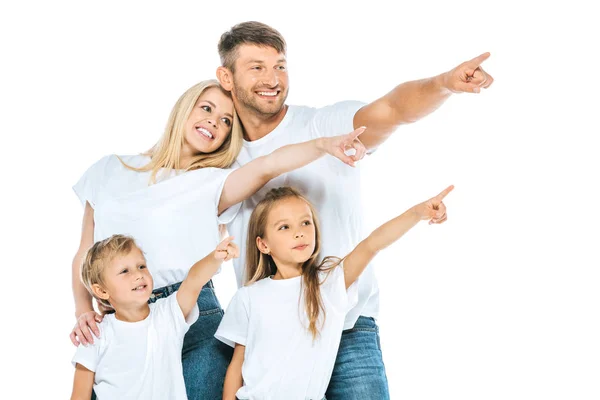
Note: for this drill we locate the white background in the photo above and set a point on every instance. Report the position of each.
(501, 302)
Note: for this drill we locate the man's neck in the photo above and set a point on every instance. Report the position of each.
(258, 126)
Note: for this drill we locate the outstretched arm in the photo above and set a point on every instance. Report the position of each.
(356, 262)
(411, 101)
(247, 180)
(201, 272)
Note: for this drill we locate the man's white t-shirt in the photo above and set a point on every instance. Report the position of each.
(332, 186)
(139, 360)
(174, 221)
(281, 360)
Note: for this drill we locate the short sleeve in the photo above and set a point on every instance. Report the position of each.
(169, 314)
(89, 355)
(335, 119)
(228, 215)
(234, 325)
(87, 188)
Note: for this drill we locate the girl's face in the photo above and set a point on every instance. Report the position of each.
(209, 123)
(290, 233)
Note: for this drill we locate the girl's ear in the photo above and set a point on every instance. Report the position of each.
(100, 292)
(262, 246)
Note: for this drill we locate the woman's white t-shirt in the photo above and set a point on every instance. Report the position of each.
(174, 221)
(281, 360)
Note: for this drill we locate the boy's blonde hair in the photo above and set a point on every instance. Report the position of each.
(98, 257)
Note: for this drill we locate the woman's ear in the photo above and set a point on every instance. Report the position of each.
(262, 246)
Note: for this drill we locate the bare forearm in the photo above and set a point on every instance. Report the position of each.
(233, 380)
(83, 299)
(392, 230)
(406, 103)
(293, 156)
(190, 288)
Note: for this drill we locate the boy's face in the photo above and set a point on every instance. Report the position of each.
(127, 281)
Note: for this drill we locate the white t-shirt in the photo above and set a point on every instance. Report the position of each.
(174, 221)
(281, 360)
(332, 186)
(139, 360)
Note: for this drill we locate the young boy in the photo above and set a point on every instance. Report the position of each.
(138, 354)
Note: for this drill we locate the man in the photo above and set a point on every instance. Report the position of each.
(253, 57)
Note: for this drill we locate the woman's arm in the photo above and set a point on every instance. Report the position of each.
(356, 262)
(87, 318)
(233, 378)
(247, 180)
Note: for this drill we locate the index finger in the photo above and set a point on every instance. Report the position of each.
(225, 242)
(355, 133)
(444, 192)
(476, 62)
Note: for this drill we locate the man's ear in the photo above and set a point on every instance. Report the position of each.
(225, 77)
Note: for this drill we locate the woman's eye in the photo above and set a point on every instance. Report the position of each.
(206, 108)
(226, 121)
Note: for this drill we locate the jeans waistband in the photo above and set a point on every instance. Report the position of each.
(166, 291)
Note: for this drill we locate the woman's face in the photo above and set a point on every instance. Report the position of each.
(209, 123)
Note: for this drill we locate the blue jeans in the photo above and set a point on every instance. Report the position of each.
(359, 373)
(205, 359)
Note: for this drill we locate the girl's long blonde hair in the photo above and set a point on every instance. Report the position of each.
(260, 265)
(167, 152)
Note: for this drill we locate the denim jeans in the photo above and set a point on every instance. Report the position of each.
(359, 373)
(205, 359)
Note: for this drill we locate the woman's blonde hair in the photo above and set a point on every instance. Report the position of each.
(167, 152)
(98, 257)
(260, 265)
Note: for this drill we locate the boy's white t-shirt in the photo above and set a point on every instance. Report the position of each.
(281, 360)
(332, 186)
(174, 221)
(139, 360)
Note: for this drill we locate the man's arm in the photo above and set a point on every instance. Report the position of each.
(411, 101)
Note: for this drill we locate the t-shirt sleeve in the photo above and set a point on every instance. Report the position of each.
(89, 355)
(168, 313)
(336, 119)
(228, 215)
(88, 186)
(234, 325)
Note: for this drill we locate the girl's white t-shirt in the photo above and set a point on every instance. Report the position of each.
(281, 360)
(173, 221)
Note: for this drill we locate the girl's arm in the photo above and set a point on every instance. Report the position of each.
(247, 180)
(83, 383)
(201, 272)
(87, 318)
(356, 262)
(233, 378)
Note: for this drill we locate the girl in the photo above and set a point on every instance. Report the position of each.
(172, 200)
(287, 322)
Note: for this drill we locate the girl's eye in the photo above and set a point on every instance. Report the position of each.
(306, 223)
(282, 227)
(206, 108)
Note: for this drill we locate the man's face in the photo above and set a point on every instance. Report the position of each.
(260, 80)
